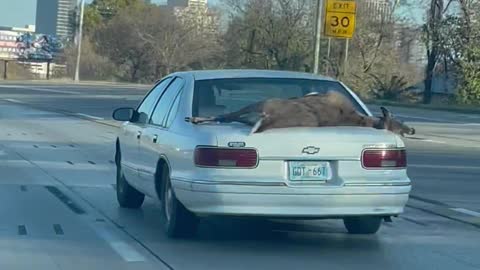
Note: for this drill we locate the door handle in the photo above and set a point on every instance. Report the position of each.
(155, 138)
(139, 134)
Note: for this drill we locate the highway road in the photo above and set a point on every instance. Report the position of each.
(59, 209)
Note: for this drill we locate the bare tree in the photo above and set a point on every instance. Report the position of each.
(434, 42)
(158, 44)
(270, 33)
(119, 41)
(373, 28)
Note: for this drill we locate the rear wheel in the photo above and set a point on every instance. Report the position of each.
(127, 196)
(177, 220)
(362, 225)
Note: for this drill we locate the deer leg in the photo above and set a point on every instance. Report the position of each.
(258, 126)
(198, 120)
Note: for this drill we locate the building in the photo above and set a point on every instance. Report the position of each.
(197, 3)
(196, 13)
(376, 10)
(410, 47)
(189, 8)
(177, 3)
(187, 3)
(8, 45)
(54, 17)
(8, 40)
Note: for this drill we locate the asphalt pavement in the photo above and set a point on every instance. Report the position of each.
(59, 209)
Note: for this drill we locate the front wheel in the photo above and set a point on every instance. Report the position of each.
(362, 225)
(177, 220)
(127, 196)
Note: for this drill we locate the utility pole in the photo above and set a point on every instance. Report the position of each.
(329, 49)
(345, 62)
(5, 69)
(79, 41)
(318, 36)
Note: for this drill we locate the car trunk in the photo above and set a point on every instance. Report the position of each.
(280, 150)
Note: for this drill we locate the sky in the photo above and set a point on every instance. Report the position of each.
(17, 12)
(22, 12)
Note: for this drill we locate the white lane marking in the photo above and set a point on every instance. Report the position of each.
(446, 121)
(443, 167)
(133, 98)
(454, 139)
(90, 116)
(126, 251)
(419, 117)
(14, 100)
(434, 141)
(40, 89)
(466, 211)
(79, 114)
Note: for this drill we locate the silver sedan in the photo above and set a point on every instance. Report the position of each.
(357, 174)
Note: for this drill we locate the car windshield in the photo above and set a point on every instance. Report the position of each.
(220, 96)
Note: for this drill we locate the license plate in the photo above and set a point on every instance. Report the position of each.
(309, 170)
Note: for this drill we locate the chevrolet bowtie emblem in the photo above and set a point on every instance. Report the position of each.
(311, 150)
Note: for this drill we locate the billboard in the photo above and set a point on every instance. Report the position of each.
(38, 47)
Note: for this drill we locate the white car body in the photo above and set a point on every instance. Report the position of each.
(265, 190)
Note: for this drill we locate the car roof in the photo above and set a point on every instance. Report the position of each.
(250, 73)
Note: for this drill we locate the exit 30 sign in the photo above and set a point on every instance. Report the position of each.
(340, 18)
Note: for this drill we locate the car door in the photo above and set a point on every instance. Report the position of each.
(132, 133)
(154, 140)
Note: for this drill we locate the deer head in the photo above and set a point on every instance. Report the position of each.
(387, 121)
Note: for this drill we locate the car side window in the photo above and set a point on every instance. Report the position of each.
(146, 107)
(173, 110)
(165, 103)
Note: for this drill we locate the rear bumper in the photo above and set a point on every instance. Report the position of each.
(269, 201)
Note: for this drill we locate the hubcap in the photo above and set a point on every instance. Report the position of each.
(168, 201)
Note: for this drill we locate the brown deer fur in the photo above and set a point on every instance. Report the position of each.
(313, 110)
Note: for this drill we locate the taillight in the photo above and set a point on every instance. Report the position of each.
(225, 157)
(384, 158)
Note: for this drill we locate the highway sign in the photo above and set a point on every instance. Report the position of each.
(345, 6)
(340, 18)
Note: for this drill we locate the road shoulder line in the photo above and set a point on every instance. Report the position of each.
(89, 116)
(444, 210)
(101, 121)
(466, 211)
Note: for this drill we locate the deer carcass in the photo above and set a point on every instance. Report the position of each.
(313, 110)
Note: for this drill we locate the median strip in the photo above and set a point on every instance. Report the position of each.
(127, 251)
(466, 211)
(441, 209)
(89, 116)
(62, 197)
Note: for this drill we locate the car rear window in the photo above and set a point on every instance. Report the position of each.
(221, 96)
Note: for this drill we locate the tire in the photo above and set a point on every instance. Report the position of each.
(362, 225)
(127, 196)
(177, 221)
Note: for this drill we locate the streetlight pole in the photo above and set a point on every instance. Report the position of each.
(345, 62)
(329, 49)
(318, 35)
(79, 46)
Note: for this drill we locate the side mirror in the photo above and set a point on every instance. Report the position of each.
(123, 114)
